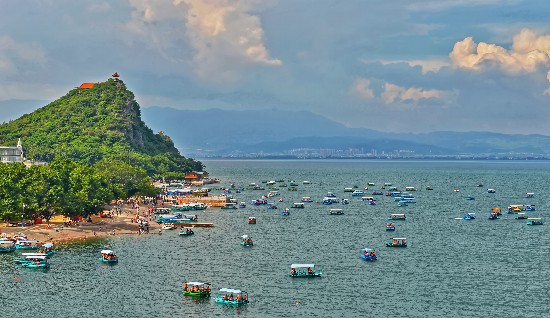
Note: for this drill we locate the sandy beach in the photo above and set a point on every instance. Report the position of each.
(56, 231)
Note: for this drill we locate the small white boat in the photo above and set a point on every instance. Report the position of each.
(336, 212)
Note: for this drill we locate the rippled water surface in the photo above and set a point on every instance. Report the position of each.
(451, 268)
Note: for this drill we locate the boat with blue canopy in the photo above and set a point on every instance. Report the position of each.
(285, 212)
(186, 231)
(108, 256)
(231, 297)
(368, 254)
(7, 246)
(304, 270)
(469, 216)
(196, 289)
(397, 242)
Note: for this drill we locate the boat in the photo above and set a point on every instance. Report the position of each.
(330, 195)
(186, 231)
(469, 198)
(521, 216)
(330, 200)
(491, 191)
(367, 199)
(429, 188)
(348, 189)
(397, 242)
(168, 226)
(306, 182)
(196, 289)
(377, 193)
(344, 201)
(108, 256)
(397, 216)
(7, 246)
(402, 203)
(271, 206)
(242, 205)
(251, 220)
(493, 216)
(285, 212)
(498, 211)
(298, 205)
(469, 216)
(231, 297)
(272, 194)
(529, 207)
(534, 221)
(258, 202)
(357, 193)
(529, 195)
(410, 189)
(281, 199)
(191, 217)
(167, 210)
(307, 199)
(35, 261)
(390, 226)
(47, 249)
(229, 206)
(336, 212)
(304, 270)
(368, 254)
(292, 188)
(246, 241)
(26, 245)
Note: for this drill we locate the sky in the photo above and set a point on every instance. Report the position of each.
(395, 66)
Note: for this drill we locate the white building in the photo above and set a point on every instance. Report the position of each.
(12, 154)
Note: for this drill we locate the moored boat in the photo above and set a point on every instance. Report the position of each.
(368, 254)
(232, 297)
(35, 261)
(304, 270)
(7, 246)
(108, 256)
(196, 289)
(397, 242)
(167, 227)
(26, 245)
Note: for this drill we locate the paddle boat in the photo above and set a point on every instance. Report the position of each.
(371, 184)
(336, 212)
(497, 211)
(285, 212)
(534, 221)
(108, 256)
(529, 207)
(368, 254)
(167, 210)
(515, 208)
(410, 189)
(298, 205)
(491, 191)
(307, 199)
(306, 182)
(242, 205)
(429, 188)
(168, 226)
(493, 216)
(402, 203)
(304, 270)
(47, 249)
(271, 206)
(521, 216)
(348, 189)
(35, 261)
(26, 245)
(232, 297)
(397, 216)
(330, 195)
(469, 198)
(469, 216)
(281, 199)
(251, 220)
(7, 246)
(529, 195)
(196, 289)
(397, 242)
(246, 241)
(358, 193)
(377, 193)
(186, 231)
(344, 201)
(390, 226)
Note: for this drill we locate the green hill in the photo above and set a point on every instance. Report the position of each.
(88, 125)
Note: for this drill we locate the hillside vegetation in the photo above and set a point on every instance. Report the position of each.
(96, 124)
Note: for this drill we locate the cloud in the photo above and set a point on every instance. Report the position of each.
(14, 53)
(428, 65)
(529, 53)
(361, 87)
(394, 93)
(226, 38)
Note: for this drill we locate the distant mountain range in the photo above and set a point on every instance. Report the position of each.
(221, 132)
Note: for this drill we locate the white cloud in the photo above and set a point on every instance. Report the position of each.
(225, 36)
(529, 53)
(393, 93)
(361, 87)
(15, 55)
(428, 65)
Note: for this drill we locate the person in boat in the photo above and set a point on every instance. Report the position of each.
(309, 271)
(231, 297)
(185, 286)
(239, 298)
(293, 271)
(224, 297)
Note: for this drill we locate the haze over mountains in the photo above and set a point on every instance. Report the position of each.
(216, 132)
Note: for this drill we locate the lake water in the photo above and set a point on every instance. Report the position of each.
(451, 268)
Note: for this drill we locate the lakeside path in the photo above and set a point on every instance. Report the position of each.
(56, 232)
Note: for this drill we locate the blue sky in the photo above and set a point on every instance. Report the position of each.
(401, 66)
